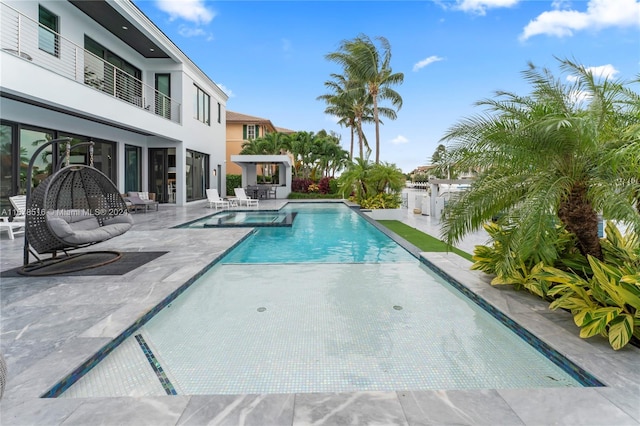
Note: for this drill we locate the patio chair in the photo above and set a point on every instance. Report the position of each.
(19, 204)
(15, 224)
(141, 199)
(242, 198)
(214, 199)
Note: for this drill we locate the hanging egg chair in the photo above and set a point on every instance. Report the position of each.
(75, 207)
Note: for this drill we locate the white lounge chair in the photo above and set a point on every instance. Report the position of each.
(242, 198)
(19, 203)
(215, 201)
(17, 226)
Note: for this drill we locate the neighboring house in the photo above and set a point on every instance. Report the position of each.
(243, 127)
(101, 70)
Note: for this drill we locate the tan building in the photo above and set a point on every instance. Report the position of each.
(240, 128)
(243, 127)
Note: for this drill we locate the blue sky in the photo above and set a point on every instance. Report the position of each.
(269, 56)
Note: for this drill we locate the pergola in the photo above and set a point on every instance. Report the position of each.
(249, 164)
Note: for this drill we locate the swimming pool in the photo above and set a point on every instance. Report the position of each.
(356, 312)
(255, 218)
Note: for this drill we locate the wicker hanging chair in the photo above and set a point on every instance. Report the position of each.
(63, 201)
(75, 207)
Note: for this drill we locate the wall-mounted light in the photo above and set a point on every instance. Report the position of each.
(171, 170)
(215, 172)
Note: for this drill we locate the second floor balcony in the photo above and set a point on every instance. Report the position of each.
(32, 41)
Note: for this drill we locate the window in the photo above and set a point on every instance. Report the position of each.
(219, 113)
(197, 178)
(251, 132)
(163, 95)
(201, 102)
(47, 31)
(132, 168)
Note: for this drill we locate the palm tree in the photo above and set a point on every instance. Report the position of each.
(328, 154)
(354, 179)
(558, 152)
(350, 102)
(368, 66)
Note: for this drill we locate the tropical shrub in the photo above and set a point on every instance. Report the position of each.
(300, 185)
(372, 185)
(333, 186)
(323, 185)
(312, 196)
(603, 296)
(233, 181)
(381, 201)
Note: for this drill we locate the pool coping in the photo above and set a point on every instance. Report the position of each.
(617, 403)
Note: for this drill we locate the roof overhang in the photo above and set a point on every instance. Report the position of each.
(261, 159)
(126, 30)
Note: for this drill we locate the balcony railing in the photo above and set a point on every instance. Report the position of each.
(31, 41)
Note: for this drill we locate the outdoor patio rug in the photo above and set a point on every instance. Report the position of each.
(128, 262)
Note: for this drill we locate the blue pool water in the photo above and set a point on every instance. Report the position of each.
(328, 305)
(321, 233)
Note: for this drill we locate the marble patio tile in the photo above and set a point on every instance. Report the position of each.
(36, 411)
(628, 399)
(565, 406)
(152, 411)
(361, 408)
(459, 407)
(44, 373)
(118, 321)
(616, 369)
(258, 410)
(22, 354)
(51, 322)
(75, 292)
(13, 290)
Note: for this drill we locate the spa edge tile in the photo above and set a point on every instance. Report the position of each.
(566, 406)
(360, 408)
(476, 407)
(258, 410)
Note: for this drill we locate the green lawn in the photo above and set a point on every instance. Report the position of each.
(421, 240)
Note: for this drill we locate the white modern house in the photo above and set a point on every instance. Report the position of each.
(102, 71)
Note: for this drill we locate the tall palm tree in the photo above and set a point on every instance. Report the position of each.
(349, 101)
(558, 152)
(365, 64)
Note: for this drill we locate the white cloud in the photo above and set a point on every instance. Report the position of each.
(607, 72)
(599, 14)
(480, 6)
(189, 10)
(428, 61)
(399, 139)
(226, 90)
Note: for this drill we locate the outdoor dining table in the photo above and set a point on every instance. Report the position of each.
(259, 191)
